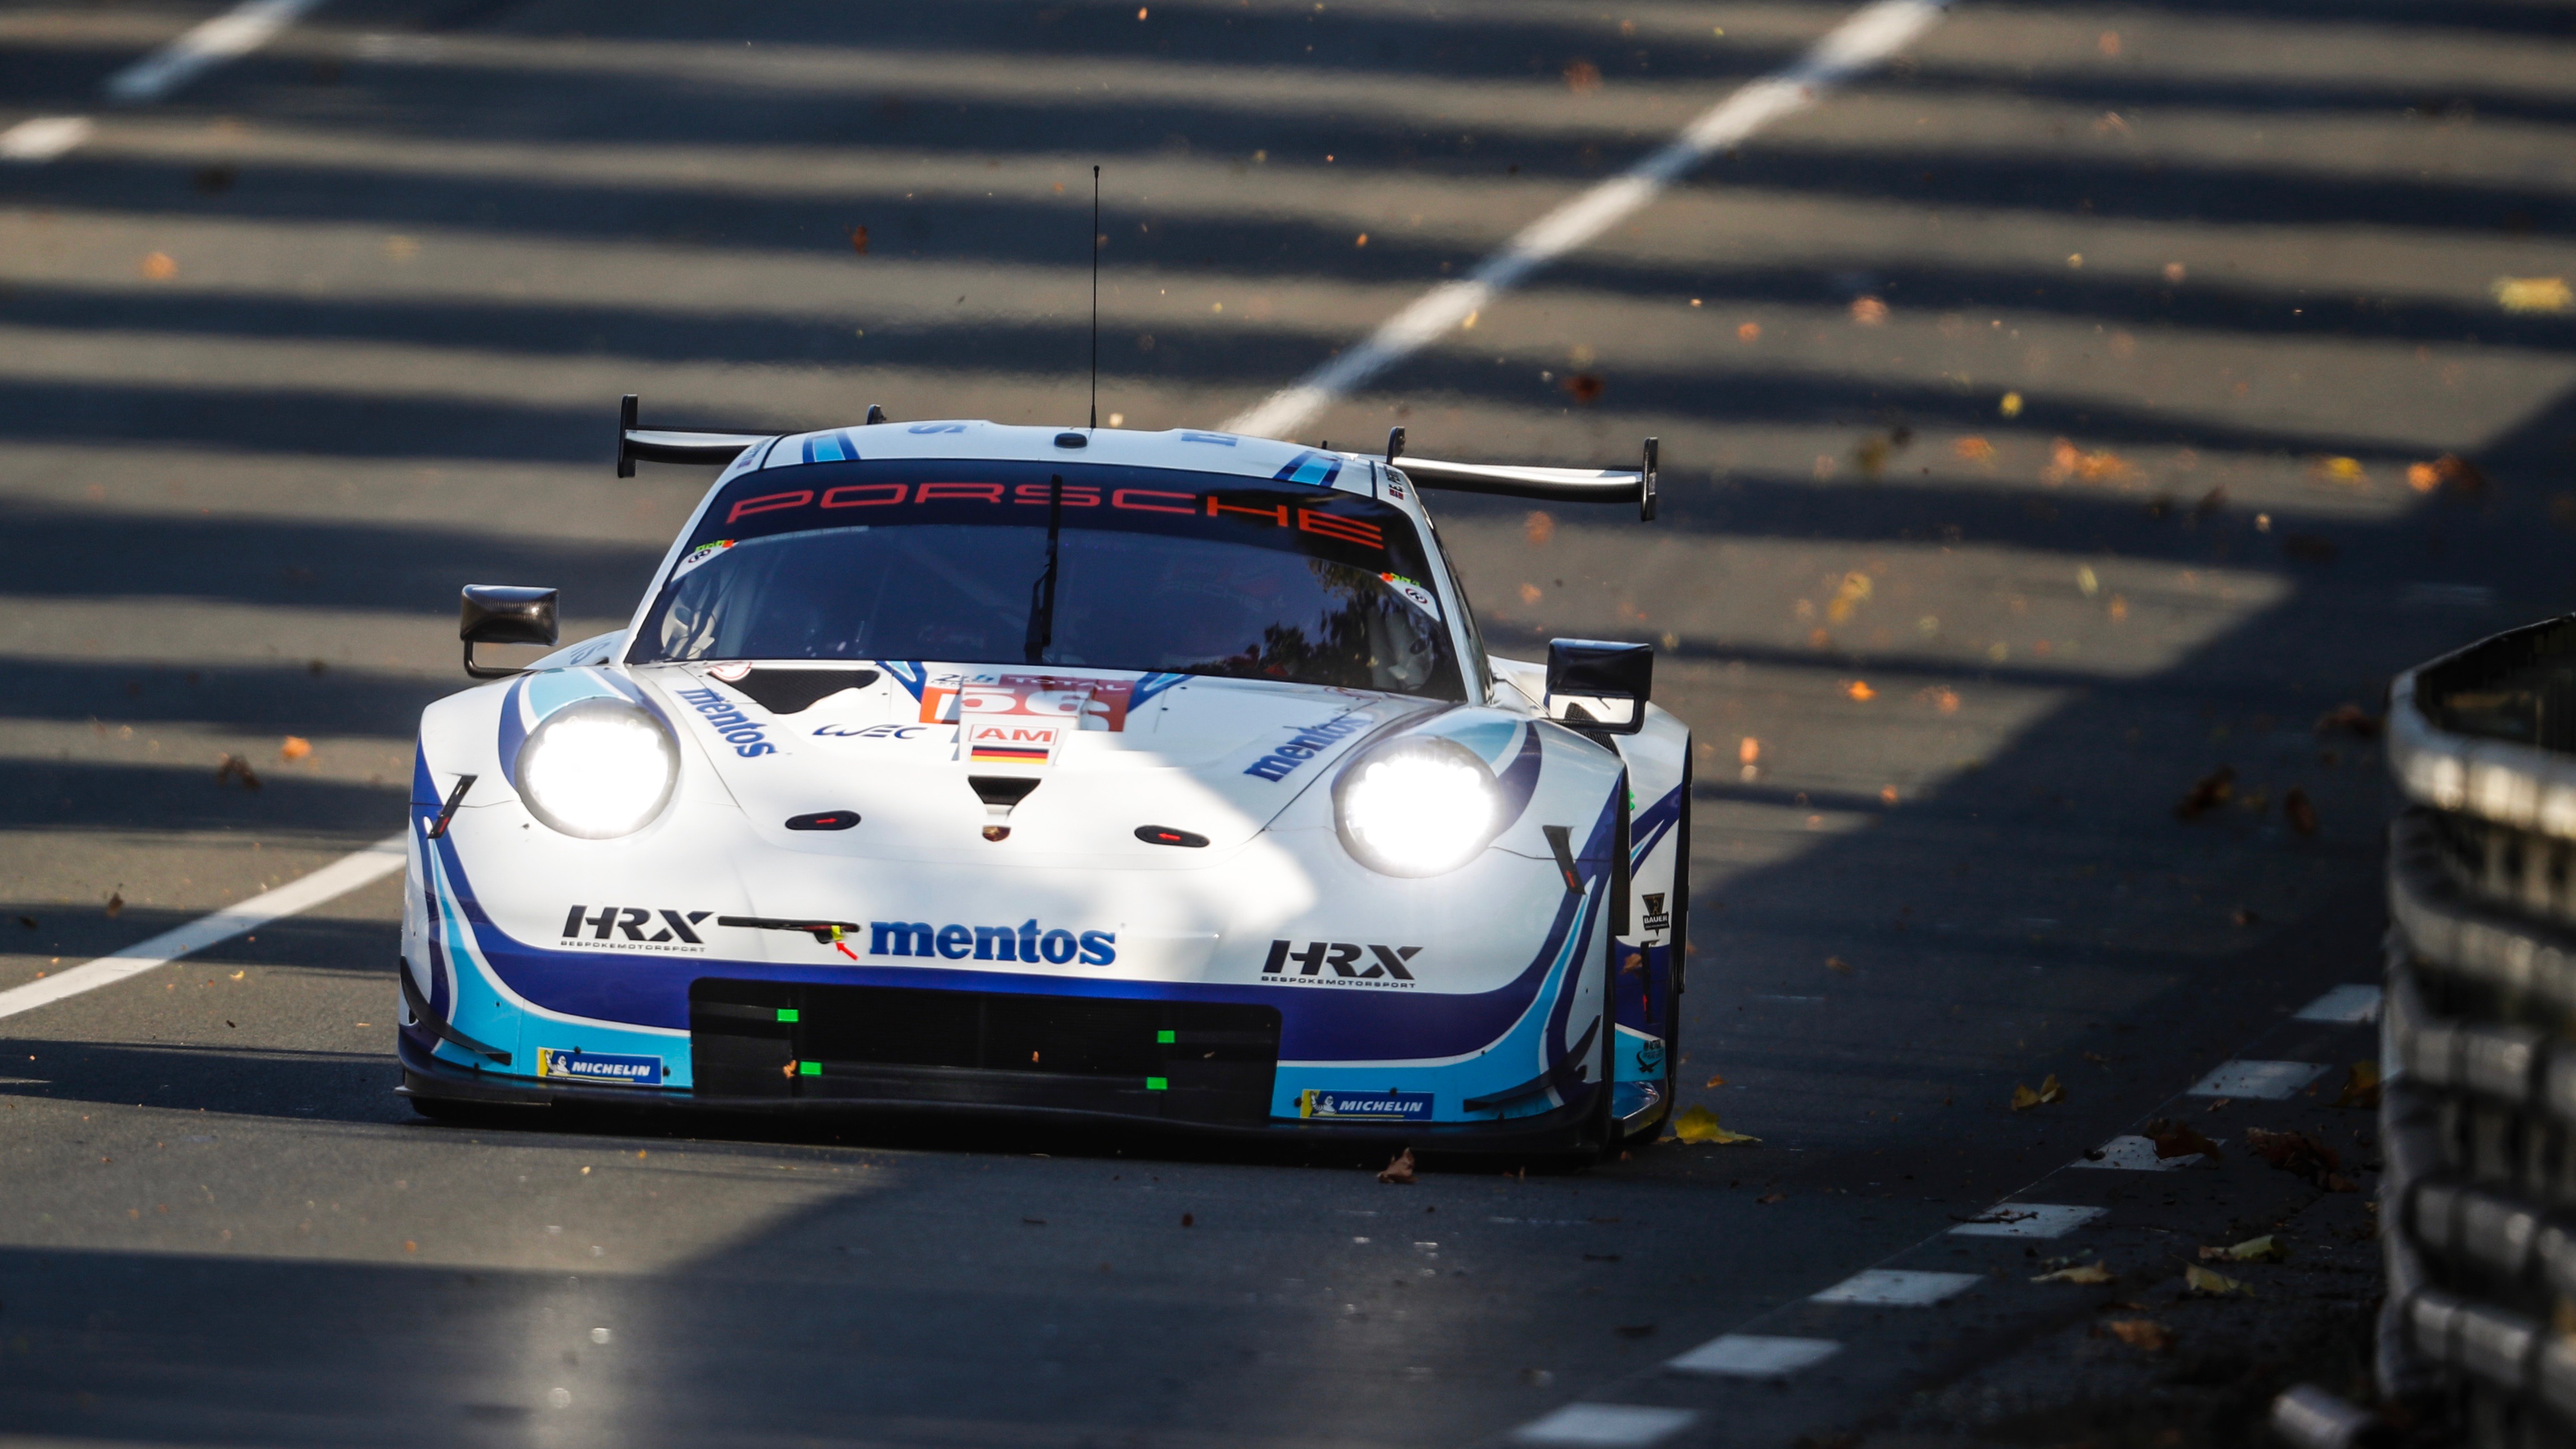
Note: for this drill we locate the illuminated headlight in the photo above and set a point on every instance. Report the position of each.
(1418, 806)
(597, 769)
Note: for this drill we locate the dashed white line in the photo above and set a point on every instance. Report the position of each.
(2269, 1081)
(42, 138)
(235, 33)
(1871, 35)
(2027, 1220)
(2132, 1153)
(1603, 1426)
(1897, 1288)
(1754, 1356)
(303, 893)
(2350, 1005)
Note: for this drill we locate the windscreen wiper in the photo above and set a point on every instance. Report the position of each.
(1042, 593)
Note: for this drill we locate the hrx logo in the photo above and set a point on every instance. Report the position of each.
(1343, 957)
(628, 923)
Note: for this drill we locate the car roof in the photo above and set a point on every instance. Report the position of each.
(1189, 449)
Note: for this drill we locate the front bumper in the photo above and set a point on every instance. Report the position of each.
(971, 1093)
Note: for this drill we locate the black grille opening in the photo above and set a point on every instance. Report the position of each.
(1194, 1061)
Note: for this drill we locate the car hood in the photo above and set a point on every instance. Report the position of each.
(929, 757)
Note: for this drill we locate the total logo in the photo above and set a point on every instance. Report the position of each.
(727, 719)
(1027, 941)
(622, 928)
(1386, 965)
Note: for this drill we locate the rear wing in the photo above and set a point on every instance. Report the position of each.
(643, 445)
(1562, 485)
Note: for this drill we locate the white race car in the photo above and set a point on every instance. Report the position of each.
(1150, 777)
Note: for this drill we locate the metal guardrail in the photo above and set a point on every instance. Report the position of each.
(2478, 1039)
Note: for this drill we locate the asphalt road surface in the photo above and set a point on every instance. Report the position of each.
(2038, 414)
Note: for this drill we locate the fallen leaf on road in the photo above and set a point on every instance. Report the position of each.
(2088, 1273)
(30, 923)
(2339, 470)
(2010, 406)
(2023, 1098)
(2140, 1333)
(1769, 1198)
(1972, 450)
(2449, 472)
(2514, 294)
(2216, 1285)
(297, 747)
(2360, 1087)
(2243, 917)
(2265, 1249)
(2296, 808)
(1749, 332)
(859, 240)
(158, 267)
(1859, 689)
(1868, 311)
(1717, 1081)
(1698, 1124)
(1538, 528)
(2300, 1155)
(2207, 793)
(2066, 461)
(1582, 76)
(1189, 1220)
(1399, 1169)
(234, 767)
(115, 904)
(1585, 387)
(2348, 719)
(1838, 966)
(2179, 1139)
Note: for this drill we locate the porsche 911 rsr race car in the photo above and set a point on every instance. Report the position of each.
(1157, 777)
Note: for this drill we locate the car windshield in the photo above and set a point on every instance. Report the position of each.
(1142, 569)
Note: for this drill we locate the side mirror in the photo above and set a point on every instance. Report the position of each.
(1599, 686)
(504, 614)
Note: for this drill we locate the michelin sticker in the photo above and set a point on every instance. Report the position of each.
(1365, 1106)
(599, 1067)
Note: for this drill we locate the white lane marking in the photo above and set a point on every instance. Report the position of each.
(1603, 1426)
(2271, 1081)
(1897, 1288)
(235, 33)
(1755, 1356)
(42, 138)
(2028, 1220)
(1871, 35)
(2350, 1005)
(2133, 1153)
(303, 893)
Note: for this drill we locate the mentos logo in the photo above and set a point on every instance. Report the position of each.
(727, 719)
(1023, 942)
(1308, 742)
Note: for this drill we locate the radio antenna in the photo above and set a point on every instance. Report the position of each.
(1095, 297)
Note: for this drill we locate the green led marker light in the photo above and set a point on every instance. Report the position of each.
(809, 1069)
(787, 1013)
(1157, 1084)
(1166, 1037)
